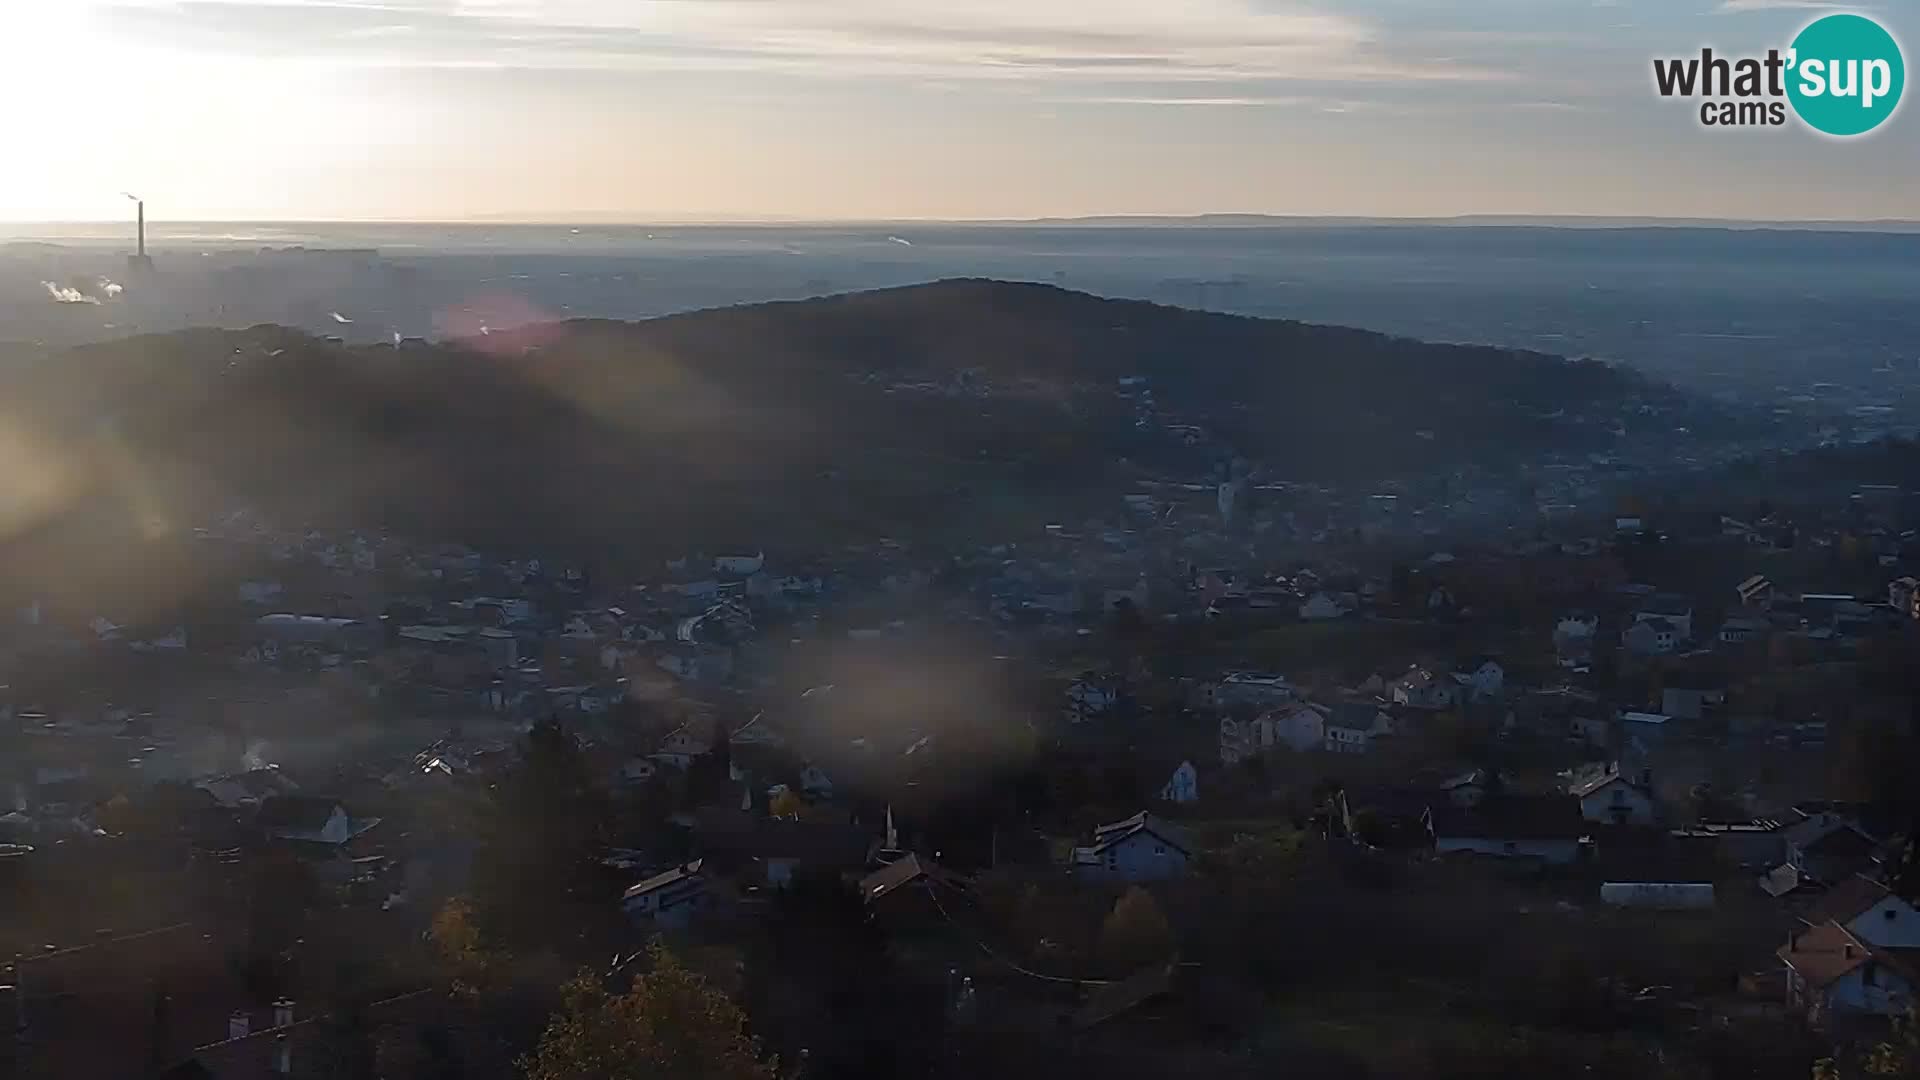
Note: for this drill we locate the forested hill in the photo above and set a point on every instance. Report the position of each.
(839, 416)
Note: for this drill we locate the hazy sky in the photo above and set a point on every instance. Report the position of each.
(541, 109)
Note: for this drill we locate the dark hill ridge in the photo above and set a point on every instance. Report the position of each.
(788, 422)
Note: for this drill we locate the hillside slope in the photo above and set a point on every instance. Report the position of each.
(851, 415)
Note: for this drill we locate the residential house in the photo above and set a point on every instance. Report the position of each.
(1652, 637)
(1756, 592)
(1870, 911)
(1183, 786)
(1740, 629)
(696, 662)
(1590, 729)
(669, 899)
(757, 732)
(1141, 848)
(1420, 688)
(1903, 595)
(1260, 689)
(1832, 974)
(249, 788)
(815, 782)
(309, 819)
(779, 848)
(1241, 739)
(739, 566)
(1326, 605)
(1675, 610)
(1547, 828)
(1468, 788)
(1302, 727)
(1658, 895)
(1090, 697)
(1750, 845)
(911, 891)
(1643, 729)
(1828, 847)
(690, 740)
(1352, 726)
(1480, 678)
(1692, 696)
(1612, 799)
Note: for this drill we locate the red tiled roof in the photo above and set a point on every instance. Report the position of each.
(1823, 954)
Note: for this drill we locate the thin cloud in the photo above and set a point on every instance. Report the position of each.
(1192, 102)
(1137, 40)
(1735, 7)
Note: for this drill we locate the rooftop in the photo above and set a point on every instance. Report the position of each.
(1823, 954)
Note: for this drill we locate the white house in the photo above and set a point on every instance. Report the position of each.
(1141, 848)
(1831, 973)
(1871, 912)
(668, 899)
(690, 740)
(1183, 786)
(1612, 799)
(1303, 727)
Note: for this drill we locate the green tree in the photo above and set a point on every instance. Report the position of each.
(673, 1025)
(1897, 1058)
(541, 834)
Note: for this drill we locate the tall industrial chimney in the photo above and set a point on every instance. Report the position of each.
(138, 262)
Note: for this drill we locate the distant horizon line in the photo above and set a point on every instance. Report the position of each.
(1215, 220)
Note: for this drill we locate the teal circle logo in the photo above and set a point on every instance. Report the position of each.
(1846, 75)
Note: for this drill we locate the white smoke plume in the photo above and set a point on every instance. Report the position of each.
(112, 289)
(67, 294)
(256, 756)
